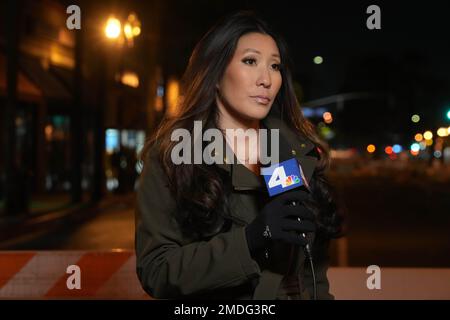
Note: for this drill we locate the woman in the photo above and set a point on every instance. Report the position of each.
(210, 230)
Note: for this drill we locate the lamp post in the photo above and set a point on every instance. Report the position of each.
(116, 33)
(123, 31)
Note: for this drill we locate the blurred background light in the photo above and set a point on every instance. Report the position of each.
(418, 137)
(327, 117)
(442, 132)
(128, 30)
(112, 29)
(173, 94)
(423, 145)
(136, 31)
(397, 148)
(415, 147)
(308, 112)
(415, 118)
(325, 131)
(320, 112)
(130, 79)
(428, 135)
(318, 60)
(112, 140)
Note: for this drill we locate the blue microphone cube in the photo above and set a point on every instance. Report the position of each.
(283, 176)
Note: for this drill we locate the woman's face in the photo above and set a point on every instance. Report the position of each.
(251, 80)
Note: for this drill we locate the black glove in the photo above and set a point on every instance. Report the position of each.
(278, 219)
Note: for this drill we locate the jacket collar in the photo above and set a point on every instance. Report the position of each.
(291, 145)
(294, 145)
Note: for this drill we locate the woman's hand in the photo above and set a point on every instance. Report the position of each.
(278, 219)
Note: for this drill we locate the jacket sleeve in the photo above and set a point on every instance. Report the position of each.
(169, 265)
(321, 263)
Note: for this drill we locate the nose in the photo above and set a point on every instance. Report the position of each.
(264, 78)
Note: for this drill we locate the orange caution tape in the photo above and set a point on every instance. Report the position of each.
(11, 263)
(45, 275)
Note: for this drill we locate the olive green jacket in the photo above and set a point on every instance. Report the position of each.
(170, 265)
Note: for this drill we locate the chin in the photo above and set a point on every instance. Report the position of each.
(258, 114)
(255, 116)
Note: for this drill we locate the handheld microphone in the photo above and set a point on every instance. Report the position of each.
(284, 176)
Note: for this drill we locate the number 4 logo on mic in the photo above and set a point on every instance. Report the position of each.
(283, 176)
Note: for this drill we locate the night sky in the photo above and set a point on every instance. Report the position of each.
(337, 31)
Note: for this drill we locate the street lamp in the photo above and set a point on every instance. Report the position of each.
(131, 29)
(113, 28)
(121, 34)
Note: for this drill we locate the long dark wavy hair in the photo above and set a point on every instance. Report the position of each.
(201, 191)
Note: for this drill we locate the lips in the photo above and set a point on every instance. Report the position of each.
(261, 99)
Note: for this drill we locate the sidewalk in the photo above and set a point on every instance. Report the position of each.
(16, 229)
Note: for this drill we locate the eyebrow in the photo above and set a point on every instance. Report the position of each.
(256, 51)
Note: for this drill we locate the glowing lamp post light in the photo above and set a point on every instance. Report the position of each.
(130, 30)
(113, 28)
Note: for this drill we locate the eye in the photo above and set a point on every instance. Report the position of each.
(276, 66)
(249, 61)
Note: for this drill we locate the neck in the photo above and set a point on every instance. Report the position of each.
(247, 152)
(230, 120)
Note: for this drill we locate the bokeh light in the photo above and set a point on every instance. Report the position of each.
(428, 135)
(397, 148)
(318, 60)
(423, 145)
(327, 117)
(418, 137)
(112, 29)
(442, 132)
(415, 147)
(388, 150)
